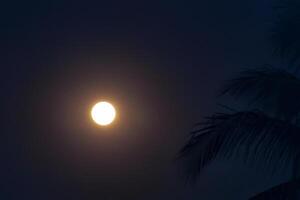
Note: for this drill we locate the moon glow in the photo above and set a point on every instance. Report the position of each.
(103, 113)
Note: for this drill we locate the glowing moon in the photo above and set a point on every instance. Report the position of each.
(103, 113)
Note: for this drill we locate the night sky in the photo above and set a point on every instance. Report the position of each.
(160, 63)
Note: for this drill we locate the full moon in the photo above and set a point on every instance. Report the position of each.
(103, 113)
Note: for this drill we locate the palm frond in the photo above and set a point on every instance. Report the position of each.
(284, 191)
(285, 34)
(275, 91)
(251, 135)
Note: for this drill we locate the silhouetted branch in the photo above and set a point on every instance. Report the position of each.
(252, 135)
(285, 34)
(284, 191)
(275, 91)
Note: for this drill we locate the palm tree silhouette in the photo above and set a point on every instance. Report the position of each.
(283, 191)
(267, 132)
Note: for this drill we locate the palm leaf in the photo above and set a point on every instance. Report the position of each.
(251, 135)
(275, 91)
(285, 34)
(284, 191)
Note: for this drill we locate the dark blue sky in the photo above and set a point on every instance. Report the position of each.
(161, 63)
